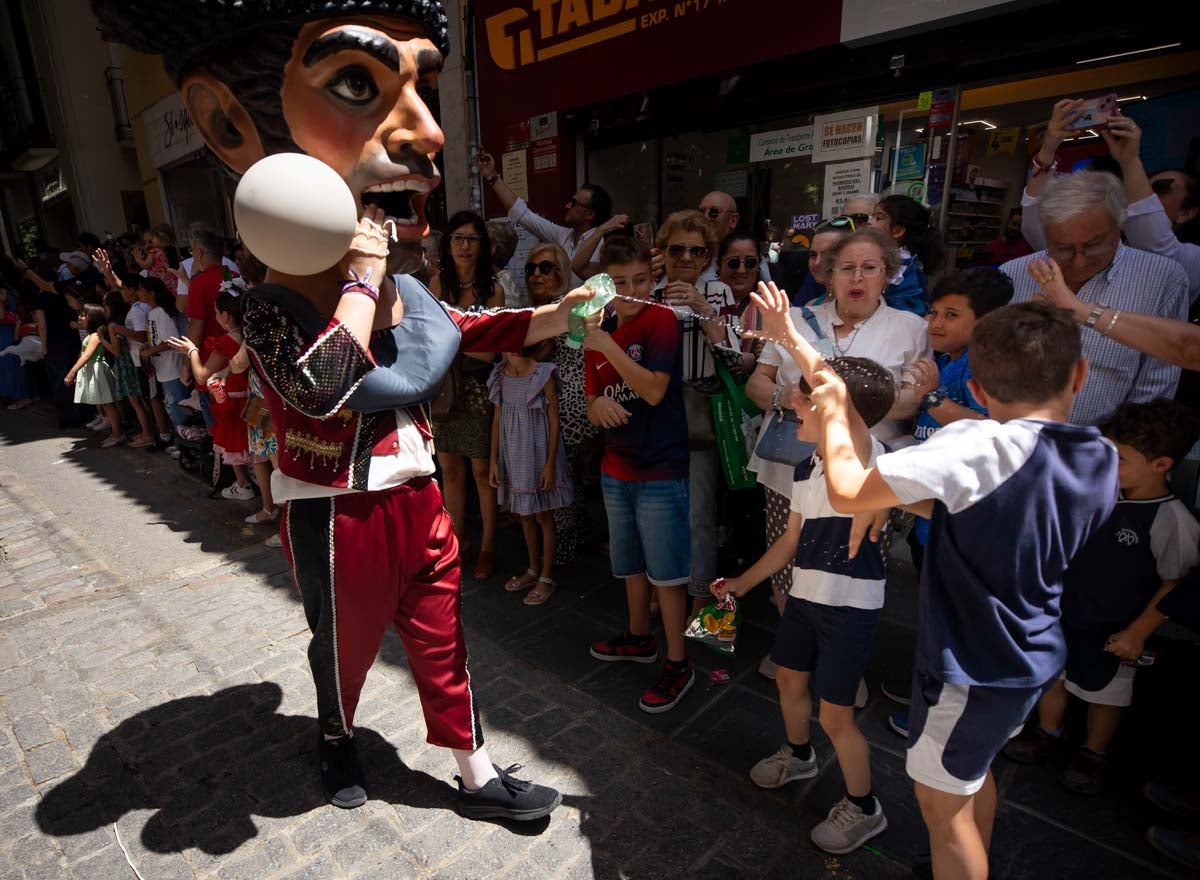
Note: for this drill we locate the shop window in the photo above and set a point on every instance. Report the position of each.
(629, 172)
(198, 190)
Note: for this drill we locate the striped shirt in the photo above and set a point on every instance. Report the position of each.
(698, 360)
(1135, 281)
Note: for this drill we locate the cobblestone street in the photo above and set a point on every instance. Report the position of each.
(155, 696)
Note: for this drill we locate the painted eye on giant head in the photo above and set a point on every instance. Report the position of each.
(354, 86)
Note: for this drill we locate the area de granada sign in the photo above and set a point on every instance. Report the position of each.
(576, 52)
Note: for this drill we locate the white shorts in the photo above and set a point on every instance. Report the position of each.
(1118, 692)
(956, 730)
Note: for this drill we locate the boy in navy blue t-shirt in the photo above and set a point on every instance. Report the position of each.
(989, 639)
(1112, 589)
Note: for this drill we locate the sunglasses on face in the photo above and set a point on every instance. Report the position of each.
(545, 267)
(678, 250)
(459, 240)
(842, 222)
(860, 218)
(1162, 186)
(712, 213)
(735, 263)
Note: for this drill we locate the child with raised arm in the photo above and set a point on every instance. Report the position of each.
(989, 641)
(828, 624)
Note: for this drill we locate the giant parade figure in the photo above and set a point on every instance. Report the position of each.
(347, 353)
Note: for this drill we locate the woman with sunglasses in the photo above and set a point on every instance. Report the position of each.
(687, 242)
(547, 275)
(466, 281)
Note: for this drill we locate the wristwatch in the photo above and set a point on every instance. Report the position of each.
(775, 395)
(491, 180)
(932, 399)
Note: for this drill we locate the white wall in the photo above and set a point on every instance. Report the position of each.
(71, 60)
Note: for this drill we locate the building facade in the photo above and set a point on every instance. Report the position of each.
(67, 160)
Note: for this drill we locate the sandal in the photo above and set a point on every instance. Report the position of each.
(538, 596)
(485, 565)
(521, 581)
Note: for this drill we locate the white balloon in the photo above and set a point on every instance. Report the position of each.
(295, 213)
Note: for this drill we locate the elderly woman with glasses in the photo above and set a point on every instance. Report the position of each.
(814, 289)
(687, 242)
(467, 282)
(547, 275)
(854, 322)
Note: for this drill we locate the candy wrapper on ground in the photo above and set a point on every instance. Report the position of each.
(716, 625)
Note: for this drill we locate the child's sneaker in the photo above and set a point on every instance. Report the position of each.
(234, 492)
(781, 768)
(1182, 846)
(1031, 745)
(627, 646)
(1176, 800)
(677, 679)
(1085, 774)
(847, 827)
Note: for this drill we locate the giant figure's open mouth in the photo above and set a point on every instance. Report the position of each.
(403, 201)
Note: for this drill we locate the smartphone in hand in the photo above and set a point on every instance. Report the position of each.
(1096, 112)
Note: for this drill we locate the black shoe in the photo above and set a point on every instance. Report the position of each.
(507, 797)
(341, 775)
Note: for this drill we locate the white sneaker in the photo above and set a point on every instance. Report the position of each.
(767, 668)
(98, 424)
(847, 827)
(274, 541)
(172, 451)
(234, 492)
(781, 768)
(862, 696)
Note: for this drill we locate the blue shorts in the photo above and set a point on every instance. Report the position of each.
(833, 642)
(648, 529)
(955, 731)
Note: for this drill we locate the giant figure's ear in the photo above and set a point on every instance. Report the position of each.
(221, 120)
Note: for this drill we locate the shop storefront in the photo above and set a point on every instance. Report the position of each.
(193, 186)
(662, 102)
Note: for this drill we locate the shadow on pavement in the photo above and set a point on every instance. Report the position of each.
(209, 764)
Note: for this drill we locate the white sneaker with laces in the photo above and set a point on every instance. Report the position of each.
(783, 767)
(234, 492)
(847, 827)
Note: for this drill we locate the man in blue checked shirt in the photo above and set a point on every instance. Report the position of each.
(1082, 215)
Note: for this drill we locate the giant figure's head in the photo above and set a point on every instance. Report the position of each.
(336, 79)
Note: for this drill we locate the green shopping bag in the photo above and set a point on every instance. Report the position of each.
(733, 417)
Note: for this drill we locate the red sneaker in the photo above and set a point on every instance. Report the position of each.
(677, 679)
(627, 646)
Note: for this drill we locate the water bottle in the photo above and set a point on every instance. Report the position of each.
(601, 285)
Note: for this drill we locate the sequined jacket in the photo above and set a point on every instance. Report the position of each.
(313, 372)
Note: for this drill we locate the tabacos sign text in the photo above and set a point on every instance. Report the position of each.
(538, 30)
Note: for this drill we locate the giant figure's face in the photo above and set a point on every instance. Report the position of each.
(350, 99)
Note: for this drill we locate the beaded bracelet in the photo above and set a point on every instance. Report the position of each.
(361, 287)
